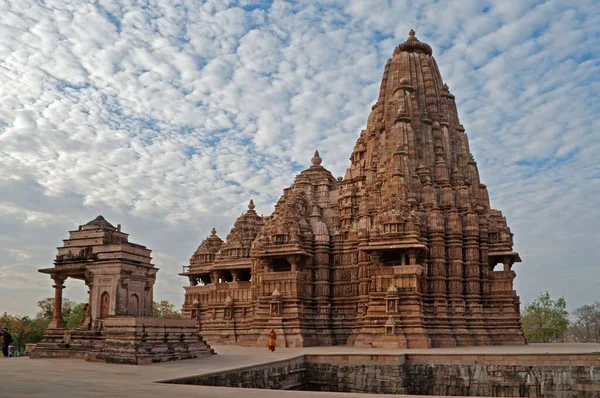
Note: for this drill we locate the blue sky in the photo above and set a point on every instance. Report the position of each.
(168, 117)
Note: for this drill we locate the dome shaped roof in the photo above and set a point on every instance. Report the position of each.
(239, 240)
(412, 44)
(206, 251)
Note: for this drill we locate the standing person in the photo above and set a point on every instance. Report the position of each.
(6, 341)
(272, 340)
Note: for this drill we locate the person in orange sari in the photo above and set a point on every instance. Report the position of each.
(272, 340)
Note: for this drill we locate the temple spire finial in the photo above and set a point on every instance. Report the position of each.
(412, 44)
(213, 231)
(316, 159)
(251, 205)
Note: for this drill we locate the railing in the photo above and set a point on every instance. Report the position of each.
(285, 275)
(382, 271)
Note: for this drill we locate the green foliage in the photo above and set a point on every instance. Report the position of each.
(73, 319)
(545, 320)
(23, 329)
(46, 307)
(586, 326)
(164, 309)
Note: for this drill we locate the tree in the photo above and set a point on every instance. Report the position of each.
(75, 316)
(164, 309)
(46, 307)
(586, 327)
(545, 320)
(23, 329)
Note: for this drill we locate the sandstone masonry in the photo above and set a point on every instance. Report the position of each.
(523, 375)
(400, 252)
(117, 325)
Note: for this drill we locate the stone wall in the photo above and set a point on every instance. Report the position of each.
(550, 375)
(141, 340)
(126, 340)
(380, 374)
(288, 374)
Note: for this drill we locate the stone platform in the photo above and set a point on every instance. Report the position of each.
(126, 340)
(72, 378)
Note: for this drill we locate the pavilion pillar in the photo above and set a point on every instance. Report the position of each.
(293, 264)
(89, 286)
(234, 275)
(57, 321)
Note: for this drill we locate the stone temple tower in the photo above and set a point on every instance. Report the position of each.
(427, 238)
(400, 252)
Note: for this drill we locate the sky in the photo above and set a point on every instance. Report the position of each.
(167, 116)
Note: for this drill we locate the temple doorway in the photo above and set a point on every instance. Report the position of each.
(134, 305)
(104, 305)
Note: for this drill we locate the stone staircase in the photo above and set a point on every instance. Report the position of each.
(69, 343)
(127, 340)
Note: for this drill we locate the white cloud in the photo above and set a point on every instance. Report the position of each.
(167, 118)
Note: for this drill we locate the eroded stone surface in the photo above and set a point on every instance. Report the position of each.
(67, 378)
(496, 375)
(400, 252)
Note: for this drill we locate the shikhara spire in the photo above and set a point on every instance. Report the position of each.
(405, 242)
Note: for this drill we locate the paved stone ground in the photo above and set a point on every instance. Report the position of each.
(24, 377)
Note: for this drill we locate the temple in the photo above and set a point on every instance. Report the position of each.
(400, 252)
(117, 326)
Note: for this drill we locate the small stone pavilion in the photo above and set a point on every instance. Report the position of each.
(118, 325)
(402, 251)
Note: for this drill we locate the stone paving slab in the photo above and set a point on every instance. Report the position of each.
(24, 377)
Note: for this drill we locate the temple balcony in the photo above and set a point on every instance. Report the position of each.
(502, 282)
(216, 294)
(404, 278)
(217, 286)
(288, 283)
(505, 257)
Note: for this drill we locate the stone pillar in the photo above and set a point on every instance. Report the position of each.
(456, 299)
(90, 287)
(57, 321)
(376, 259)
(293, 262)
(507, 263)
(322, 316)
(440, 323)
(234, 275)
(473, 278)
